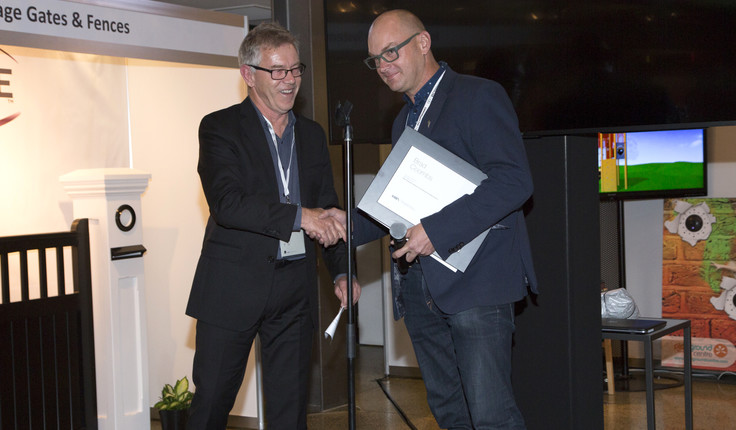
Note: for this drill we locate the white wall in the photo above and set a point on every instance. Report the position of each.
(722, 162)
(73, 115)
(643, 246)
(167, 102)
(368, 260)
(83, 111)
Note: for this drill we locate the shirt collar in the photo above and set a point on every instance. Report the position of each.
(289, 125)
(421, 96)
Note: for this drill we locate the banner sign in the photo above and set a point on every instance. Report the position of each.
(706, 353)
(121, 27)
(699, 280)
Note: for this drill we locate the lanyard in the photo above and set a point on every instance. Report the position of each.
(428, 102)
(284, 175)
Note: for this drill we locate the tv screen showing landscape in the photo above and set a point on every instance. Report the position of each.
(652, 164)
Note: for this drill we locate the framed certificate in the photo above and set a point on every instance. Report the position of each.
(419, 178)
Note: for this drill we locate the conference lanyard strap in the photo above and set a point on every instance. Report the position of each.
(285, 175)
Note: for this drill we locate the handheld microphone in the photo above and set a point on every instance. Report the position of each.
(398, 235)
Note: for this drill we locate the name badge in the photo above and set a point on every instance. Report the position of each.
(295, 245)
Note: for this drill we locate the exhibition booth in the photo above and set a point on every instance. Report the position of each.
(100, 102)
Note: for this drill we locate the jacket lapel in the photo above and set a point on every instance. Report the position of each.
(256, 144)
(301, 153)
(438, 102)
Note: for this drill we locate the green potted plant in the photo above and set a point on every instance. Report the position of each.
(173, 407)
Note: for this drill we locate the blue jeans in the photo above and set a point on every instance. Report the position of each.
(465, 359)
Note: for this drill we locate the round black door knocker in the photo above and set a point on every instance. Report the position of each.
(125, 218)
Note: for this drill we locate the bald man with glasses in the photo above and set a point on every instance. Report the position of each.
(460, 323)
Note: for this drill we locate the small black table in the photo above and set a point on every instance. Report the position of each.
(671, 326)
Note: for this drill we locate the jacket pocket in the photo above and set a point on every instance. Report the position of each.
(222, 251)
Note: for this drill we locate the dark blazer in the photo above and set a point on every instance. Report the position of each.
(474, 119)
(247, 220)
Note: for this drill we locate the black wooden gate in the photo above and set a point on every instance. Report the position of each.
(47, 364)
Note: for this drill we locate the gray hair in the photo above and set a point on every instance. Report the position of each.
(264, 35)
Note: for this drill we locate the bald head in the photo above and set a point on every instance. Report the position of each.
(415, 64)
(398, 19)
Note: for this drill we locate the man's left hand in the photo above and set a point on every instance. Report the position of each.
(341, 290)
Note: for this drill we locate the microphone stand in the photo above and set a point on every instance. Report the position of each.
(343, 120)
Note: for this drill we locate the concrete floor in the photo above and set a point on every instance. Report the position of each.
(714, 403)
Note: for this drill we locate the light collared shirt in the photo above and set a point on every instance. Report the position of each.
(285, 150)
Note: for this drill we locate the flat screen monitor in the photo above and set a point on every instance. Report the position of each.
(652, 164)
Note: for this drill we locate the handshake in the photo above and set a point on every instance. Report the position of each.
(327, 226)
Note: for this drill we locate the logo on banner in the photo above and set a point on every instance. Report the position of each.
(8, 107)
(706, 352)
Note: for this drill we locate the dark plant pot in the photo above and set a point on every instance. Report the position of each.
(174, 419)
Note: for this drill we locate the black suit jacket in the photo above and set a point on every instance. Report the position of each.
(473, 118)
(247, 220)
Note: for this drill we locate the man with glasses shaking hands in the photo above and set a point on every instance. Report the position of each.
(267, 178)
(460, 323)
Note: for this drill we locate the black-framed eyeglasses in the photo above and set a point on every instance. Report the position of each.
(279, 74)
(389, 55)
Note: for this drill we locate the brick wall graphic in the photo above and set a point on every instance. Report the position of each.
(699, 280)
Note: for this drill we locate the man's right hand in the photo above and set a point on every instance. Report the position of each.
(337, 214)
(325, 229)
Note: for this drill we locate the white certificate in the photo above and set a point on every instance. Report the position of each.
(422, 186)
(419, 178)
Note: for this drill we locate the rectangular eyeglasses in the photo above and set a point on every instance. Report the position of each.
(389, 55)
(279, 74)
